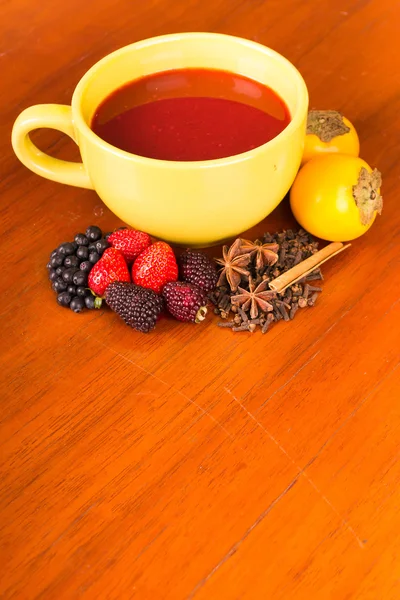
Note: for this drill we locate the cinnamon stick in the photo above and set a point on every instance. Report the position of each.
(299, 271)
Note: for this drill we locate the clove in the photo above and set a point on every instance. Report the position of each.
(302, 302)
(293, 310)
(313, 299)
(242, 327)
(294, 247)
(268, 321)
(283, 310)
(243, 314)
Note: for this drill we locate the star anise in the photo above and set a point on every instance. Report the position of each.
(255, 298)
(266, 254)
(234, 260)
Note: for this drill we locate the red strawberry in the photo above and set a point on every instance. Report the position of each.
(111, 267)
(130, 242)
(155, 267)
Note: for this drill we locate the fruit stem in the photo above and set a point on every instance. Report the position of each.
(201, 314)
(326, 124)
(366, 195)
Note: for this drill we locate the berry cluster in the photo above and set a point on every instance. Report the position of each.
(154, 284)
(137, 278)
(69, 267)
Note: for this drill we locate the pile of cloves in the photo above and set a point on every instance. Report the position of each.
(247, 265)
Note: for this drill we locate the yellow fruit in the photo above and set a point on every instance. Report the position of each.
(336, 197)
(329, 132)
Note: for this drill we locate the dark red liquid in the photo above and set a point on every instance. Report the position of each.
(191, 114)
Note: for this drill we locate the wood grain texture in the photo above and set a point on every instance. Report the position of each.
(193, 462)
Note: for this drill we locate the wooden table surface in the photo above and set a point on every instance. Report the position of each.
(194, 462)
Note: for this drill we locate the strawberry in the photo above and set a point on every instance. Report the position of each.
(130, 242)
(111, 267)
(155, 267)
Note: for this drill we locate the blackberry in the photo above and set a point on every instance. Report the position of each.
(59, 285)
(93, 233)
(80, 278)
(94, 257)
(77, 304)
(81, 239)
(197, 268)
(101, 245)
(60, 271)
(185, 301)
(68, 274)
(82, 252)
(66, 249)
(71, 261)
(137, 306)
(86, 266)
(71, 289)
(48, 266)
(64, 299)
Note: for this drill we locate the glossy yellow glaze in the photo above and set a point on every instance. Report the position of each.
(194, 203)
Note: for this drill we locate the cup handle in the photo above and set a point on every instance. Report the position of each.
(50, 116)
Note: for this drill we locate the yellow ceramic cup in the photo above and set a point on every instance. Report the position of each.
(193, 203)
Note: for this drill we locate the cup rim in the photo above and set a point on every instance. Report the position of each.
(82, 126)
